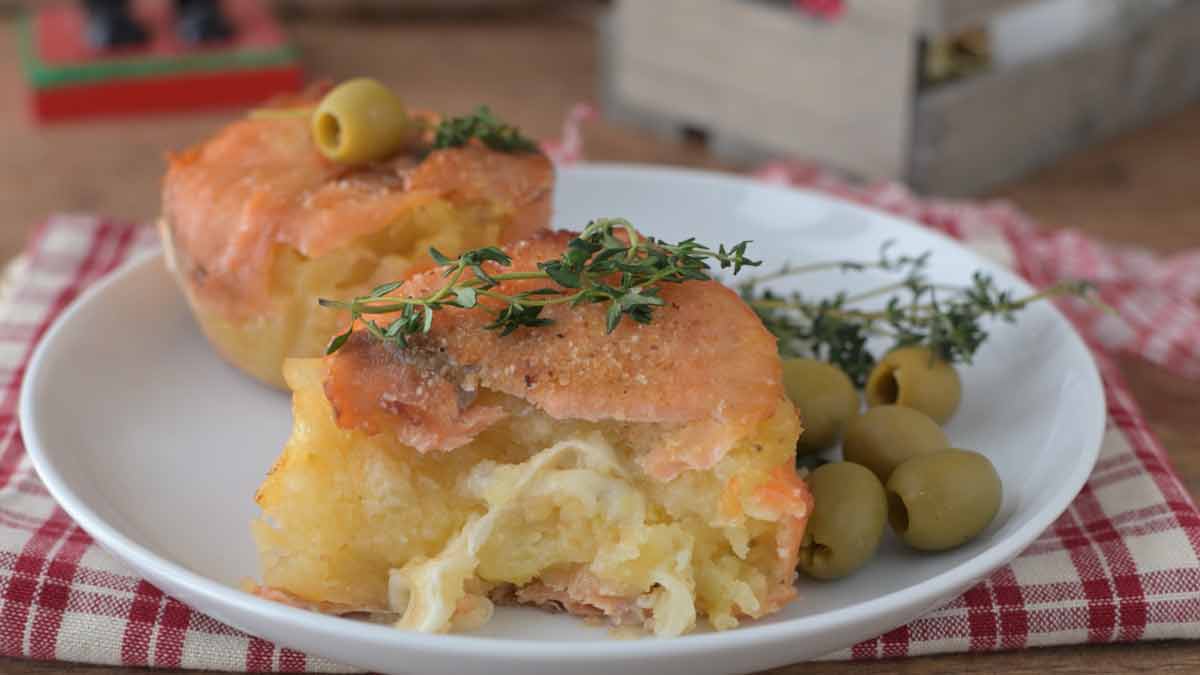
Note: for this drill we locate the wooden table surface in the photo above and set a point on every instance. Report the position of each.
(1141, 188)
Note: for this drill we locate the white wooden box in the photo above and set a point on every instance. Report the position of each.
(760, 80)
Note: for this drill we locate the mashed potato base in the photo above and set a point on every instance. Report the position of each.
(534, 509)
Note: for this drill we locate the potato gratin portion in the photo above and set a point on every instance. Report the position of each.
(644, 477)
(257, 225)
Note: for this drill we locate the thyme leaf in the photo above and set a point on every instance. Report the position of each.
(455, 132)
(947, 320)
(609, 263)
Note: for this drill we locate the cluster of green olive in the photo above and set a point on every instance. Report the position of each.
(360, 121)
(898, 465)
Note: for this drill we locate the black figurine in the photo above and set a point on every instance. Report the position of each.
(110, 25)
(201, 21)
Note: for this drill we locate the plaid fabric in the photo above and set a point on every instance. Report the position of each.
(1122, 564)
(61, 596)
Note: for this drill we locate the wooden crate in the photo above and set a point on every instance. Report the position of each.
(760, 80)
(995, 127)
(938, 17)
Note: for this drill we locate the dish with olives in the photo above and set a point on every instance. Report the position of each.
(304, 217)
(178, 460)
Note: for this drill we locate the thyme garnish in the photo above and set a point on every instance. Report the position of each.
(597, 267)
(626, 273)
(944, 319)
(482, 124)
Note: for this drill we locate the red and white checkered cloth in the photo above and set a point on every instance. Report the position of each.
(1122, 564)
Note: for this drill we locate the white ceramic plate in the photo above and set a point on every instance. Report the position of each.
(155, 446)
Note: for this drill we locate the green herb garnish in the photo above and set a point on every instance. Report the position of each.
(482, 124)
(626, 274)
(944, 319)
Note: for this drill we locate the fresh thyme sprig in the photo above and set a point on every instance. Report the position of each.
(482, 124)
(597, 267)
(945, 319)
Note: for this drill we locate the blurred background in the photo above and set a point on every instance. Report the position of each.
(1082, 111)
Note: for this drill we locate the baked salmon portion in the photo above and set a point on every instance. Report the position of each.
(645, 476)
(257, 224)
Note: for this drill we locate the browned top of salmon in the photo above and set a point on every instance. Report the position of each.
(260, 182)
(705, 357)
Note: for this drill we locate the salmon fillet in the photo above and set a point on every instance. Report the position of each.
(705, 363)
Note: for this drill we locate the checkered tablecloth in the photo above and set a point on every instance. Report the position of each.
(1122, 564)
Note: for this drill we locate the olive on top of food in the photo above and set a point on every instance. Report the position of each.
(915, 377)
(360, 121)
(884, 436)
(849, 512)
(826, 399)
(942, 500)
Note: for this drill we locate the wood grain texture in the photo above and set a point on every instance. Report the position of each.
(748, 96)
(1140, 188)
(1108, 84)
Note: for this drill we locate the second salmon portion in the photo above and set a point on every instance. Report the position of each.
(257, 225)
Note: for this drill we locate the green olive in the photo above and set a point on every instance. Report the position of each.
(884, 436)
(849, 510)
(944, 499)
(360, 121)
(915, 378)
(826, 399)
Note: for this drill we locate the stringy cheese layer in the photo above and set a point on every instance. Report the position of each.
(534, 510)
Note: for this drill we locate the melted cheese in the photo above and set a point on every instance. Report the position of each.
(428, 592)
(535, 510)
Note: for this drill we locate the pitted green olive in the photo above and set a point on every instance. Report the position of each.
(943, 499)
(884, 436)
(915, 378)
(360, 121)
(826, 399)
(849, 511)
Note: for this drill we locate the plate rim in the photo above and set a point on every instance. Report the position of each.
(179, 580)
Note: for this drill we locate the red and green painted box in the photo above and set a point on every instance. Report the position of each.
(69, 79)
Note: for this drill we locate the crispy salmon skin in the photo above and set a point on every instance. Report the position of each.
(705, 365)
